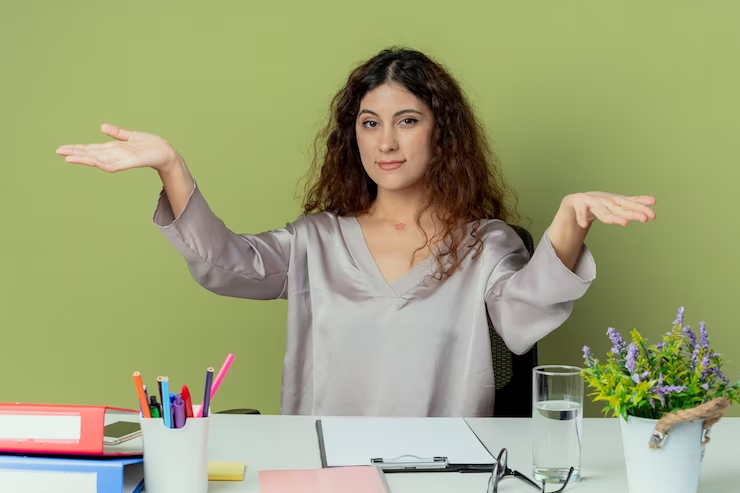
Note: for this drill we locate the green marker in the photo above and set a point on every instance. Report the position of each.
(154, 407)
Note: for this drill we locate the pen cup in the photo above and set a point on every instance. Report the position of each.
(175, 459)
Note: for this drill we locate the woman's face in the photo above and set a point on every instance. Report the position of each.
(394, 130)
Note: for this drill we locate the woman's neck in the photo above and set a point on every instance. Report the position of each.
(401, 206)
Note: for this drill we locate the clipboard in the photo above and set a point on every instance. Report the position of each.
(402, 444)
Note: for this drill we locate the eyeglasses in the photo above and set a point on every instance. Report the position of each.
(501, 471)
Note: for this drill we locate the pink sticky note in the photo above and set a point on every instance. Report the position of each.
(363, 479)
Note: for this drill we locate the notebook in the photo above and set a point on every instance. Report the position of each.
(402, 444)
(341, 480)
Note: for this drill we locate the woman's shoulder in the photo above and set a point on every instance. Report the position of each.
(320, 222)
(500, 236)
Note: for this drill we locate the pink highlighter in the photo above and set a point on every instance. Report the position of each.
(217, 381)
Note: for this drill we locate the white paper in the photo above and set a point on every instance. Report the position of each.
(356, 441)
(40, 427)
(47, 482)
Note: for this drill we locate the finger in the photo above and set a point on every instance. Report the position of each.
(637, 207)
(83, 161)
(66, 150)
(80, 149)
(644, 199)
(582, 216)
(606, 216)
(115, 132)
(629, 214)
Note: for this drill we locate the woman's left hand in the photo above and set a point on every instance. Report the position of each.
(610, 208)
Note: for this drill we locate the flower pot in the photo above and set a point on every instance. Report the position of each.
(674, 467)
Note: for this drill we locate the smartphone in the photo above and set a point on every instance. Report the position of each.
(120, 431)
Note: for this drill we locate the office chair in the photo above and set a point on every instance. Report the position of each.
(513, 372)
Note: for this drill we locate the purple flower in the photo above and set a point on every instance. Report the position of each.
(690, 334)
(631, 363)
(663, 390)
(679, 316)
(718, 373)
(652, 402)
(660, 379)
(705, 386)
(637, 377)
(587, 353)
(695, 356)
(703, 336)
(705, 365)
(670, 389)
(616, 339)
(660, 346)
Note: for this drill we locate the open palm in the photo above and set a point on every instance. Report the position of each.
(129, 150)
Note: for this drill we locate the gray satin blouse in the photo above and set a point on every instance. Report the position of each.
(357, 345)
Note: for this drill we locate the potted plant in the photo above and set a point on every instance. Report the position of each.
(668, 395)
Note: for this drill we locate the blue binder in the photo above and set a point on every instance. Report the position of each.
(32, 474)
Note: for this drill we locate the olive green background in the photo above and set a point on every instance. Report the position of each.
(634, 97)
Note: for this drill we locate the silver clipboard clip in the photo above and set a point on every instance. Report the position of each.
(411, 462)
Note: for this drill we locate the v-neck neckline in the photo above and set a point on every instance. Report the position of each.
(360, 251)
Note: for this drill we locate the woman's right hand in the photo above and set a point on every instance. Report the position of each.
(129, 150)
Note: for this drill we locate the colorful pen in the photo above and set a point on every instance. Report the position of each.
(166, 409)
(220, 377)
(179, 407)
(154, 407)
(146, 396)
(159, 388)
(203, 411)
(188, 401)
(142, 397)
(221, 374)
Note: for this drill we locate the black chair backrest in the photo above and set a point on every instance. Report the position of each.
(513, 373)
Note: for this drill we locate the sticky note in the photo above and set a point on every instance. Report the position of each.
(226, 471)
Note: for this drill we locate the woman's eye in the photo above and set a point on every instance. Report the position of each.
(408, 121)
(370, 124)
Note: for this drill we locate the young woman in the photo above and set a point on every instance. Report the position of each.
(401, 253)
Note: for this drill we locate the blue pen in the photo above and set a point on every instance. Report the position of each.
(166, 406)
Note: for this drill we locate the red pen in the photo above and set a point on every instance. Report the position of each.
(188, 402)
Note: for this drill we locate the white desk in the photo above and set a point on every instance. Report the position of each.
(289, 442)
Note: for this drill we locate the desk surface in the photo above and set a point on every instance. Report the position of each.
(289, 442)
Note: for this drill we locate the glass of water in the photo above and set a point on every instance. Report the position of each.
(557, 416)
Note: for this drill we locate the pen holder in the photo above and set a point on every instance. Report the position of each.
(175, 459)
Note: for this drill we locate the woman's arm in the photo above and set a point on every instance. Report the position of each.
(230, 264)
(578, 211)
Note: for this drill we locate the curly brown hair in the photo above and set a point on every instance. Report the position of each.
(464, 180)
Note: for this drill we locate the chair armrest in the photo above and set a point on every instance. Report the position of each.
(239, 411)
